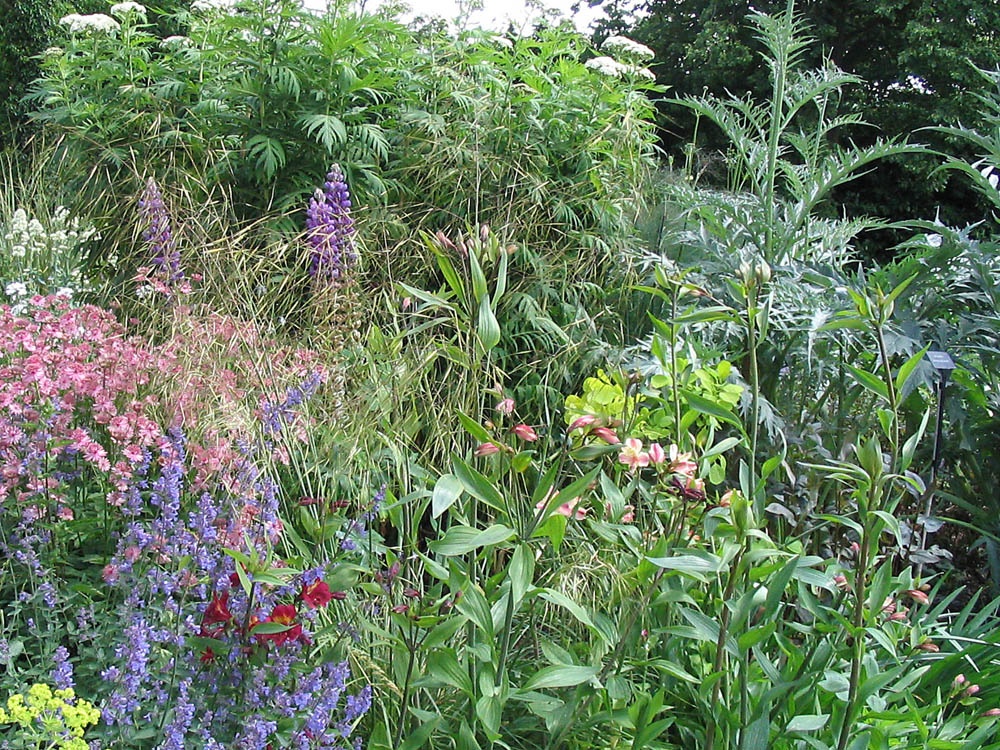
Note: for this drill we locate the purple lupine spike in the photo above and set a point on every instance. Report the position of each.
(330, 229)
(165, 255)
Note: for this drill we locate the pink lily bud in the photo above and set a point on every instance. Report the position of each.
(656, 454)
(918, 596)
(526, 432)
(585, 421)
(607, 435)
(487, 449)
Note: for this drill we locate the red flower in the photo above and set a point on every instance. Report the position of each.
(316, 594)
(282, 614)
(217, 615)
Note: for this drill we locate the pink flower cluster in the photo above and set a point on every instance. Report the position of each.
(79, 398)
(210, 372)
(71, 387)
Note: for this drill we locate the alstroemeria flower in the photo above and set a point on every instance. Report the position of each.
(606, 434)
(633, 455)
(487, 449)
(506, 406)
(656, 454)
(681, 463)
(316, 594)
(585, 421)
(568, 509)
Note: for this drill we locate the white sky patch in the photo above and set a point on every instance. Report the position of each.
(912, 83)
(496, 15)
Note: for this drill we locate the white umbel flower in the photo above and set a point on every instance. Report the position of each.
(175, 42)
(606, 66)
(624, 48)
(97, 22)
(128, 8)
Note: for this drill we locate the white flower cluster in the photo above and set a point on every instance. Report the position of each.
(205, 6)
(127, 8)
(46, 258)
(97, 22)
(16, 289)
(28, 238)
(624, 48)
(175, 42)
(610, 67)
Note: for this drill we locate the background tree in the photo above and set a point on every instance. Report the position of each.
(26, 32)
(914, 58)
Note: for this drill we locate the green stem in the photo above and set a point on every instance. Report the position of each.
(859, 641)
(405, 697)
(720, 648)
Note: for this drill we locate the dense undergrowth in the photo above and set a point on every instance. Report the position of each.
(501, 434)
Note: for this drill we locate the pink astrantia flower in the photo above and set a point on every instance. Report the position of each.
(633, 455)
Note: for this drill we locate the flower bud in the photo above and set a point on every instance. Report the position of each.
(487, 449)
(525, 432)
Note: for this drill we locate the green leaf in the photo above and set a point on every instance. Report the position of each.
(579, 613)
(443, 668)
(477, 485)
(870, 382)
(418, 738)
(479, 290)
(268, 153)
(473, 605)
(560, 675)
(700, 567)
(488, 328)
(476, 430)
(488, 711)
(808, 722)
(907, 370)
(447, 490)
(521, 572)
(459, 540)
(713, 409)
(329, 130)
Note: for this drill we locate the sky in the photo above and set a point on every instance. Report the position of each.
(495, 14)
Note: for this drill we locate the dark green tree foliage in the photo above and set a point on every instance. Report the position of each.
(913, 56)
(27, 28)
(23, 32)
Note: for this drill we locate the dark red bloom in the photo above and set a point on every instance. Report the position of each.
(282, 614)
(338, 595)
(217, 615)
(208, 655)
(316, 594)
